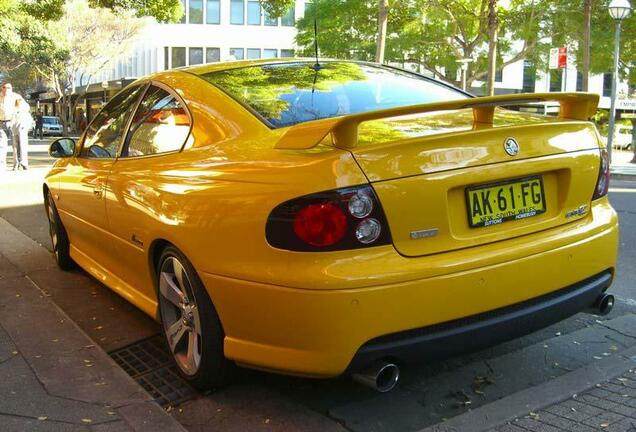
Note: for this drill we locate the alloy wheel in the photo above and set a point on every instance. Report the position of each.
(180, 315)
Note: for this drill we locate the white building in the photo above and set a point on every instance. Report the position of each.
(210, 31)
(522, 77)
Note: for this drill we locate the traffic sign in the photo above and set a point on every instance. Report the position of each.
(563, 57)
(558, 58)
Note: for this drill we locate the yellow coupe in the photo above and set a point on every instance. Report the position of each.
(341, 217)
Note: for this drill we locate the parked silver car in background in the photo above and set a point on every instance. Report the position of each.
(51, 125)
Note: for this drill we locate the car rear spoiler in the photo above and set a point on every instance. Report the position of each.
(573, 106)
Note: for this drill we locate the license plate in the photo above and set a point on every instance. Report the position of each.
(496, 203)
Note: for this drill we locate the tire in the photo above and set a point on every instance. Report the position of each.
(59, 237)
(191, 327)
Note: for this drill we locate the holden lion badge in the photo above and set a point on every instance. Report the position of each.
(511, 146)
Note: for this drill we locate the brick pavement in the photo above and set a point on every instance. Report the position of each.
(609, 406)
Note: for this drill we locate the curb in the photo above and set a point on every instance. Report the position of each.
(619, 176)
(541, 396)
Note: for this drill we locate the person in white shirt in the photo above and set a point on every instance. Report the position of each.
(21, 123)
(7, 107)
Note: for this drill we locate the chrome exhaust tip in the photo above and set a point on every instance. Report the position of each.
(603, 305)
(382, 376)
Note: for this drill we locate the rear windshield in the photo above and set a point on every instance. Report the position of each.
(291, 93)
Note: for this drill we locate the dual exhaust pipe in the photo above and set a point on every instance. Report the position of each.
(383, 376)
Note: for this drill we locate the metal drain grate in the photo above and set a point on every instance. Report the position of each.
(149, 363)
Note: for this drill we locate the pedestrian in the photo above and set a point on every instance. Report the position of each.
(21, 123)
(39, 123)
(80, 121)
(7, 106)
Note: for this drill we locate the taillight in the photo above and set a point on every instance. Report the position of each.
(348, 218)
(321, 224)
(602, 184)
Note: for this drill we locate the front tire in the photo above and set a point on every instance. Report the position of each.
(59, 237)
(190, 324)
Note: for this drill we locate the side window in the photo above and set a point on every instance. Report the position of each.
(106, 132)
(161, 124)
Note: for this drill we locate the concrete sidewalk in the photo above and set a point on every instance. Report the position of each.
(53, 377)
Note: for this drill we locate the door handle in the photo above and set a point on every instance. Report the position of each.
(97, 192)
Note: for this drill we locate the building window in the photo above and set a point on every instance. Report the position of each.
(212, 55)
(196, 12)
(166, 58)
(529, 77)
(270, 53)
(195, 56)
(183, 17)
(499, 75)
(287, 53)
(269, 21)
(253, 53)
(237, 53)
(237, 12)
(607, 84)
(254, 12)
(579, 81)
(213, 12)
(178, 57)
(289, 19)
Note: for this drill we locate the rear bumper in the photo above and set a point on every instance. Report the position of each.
(482, 330)
(324, 332)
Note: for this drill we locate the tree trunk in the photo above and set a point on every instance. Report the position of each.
(493, 24)
(62, 105)
(383, 18)
(585, 48)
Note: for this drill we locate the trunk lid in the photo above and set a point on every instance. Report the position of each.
(441, 180)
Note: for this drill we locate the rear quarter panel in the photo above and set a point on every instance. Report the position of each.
(212, 200)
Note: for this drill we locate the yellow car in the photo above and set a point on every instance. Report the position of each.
(316, 219)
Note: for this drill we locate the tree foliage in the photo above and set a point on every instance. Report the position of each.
(162, 10)
(277, 8)
(435, 34)
(74, 46)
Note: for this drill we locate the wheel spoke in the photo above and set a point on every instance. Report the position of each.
(175, 333)
(169, 290)
(195, 320)
(193, 356)
(178, 273)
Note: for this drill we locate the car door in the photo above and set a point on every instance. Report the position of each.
(140, 197)
(82, 185)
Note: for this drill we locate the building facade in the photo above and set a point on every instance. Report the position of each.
(210, 31)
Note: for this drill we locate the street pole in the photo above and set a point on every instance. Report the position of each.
(612, 119)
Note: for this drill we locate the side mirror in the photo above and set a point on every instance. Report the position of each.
(62, 148)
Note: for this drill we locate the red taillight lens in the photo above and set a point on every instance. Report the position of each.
(320, 224)
(602, 184)
(340, 219)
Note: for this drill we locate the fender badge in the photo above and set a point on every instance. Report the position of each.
(424, 233)
(579, 211)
